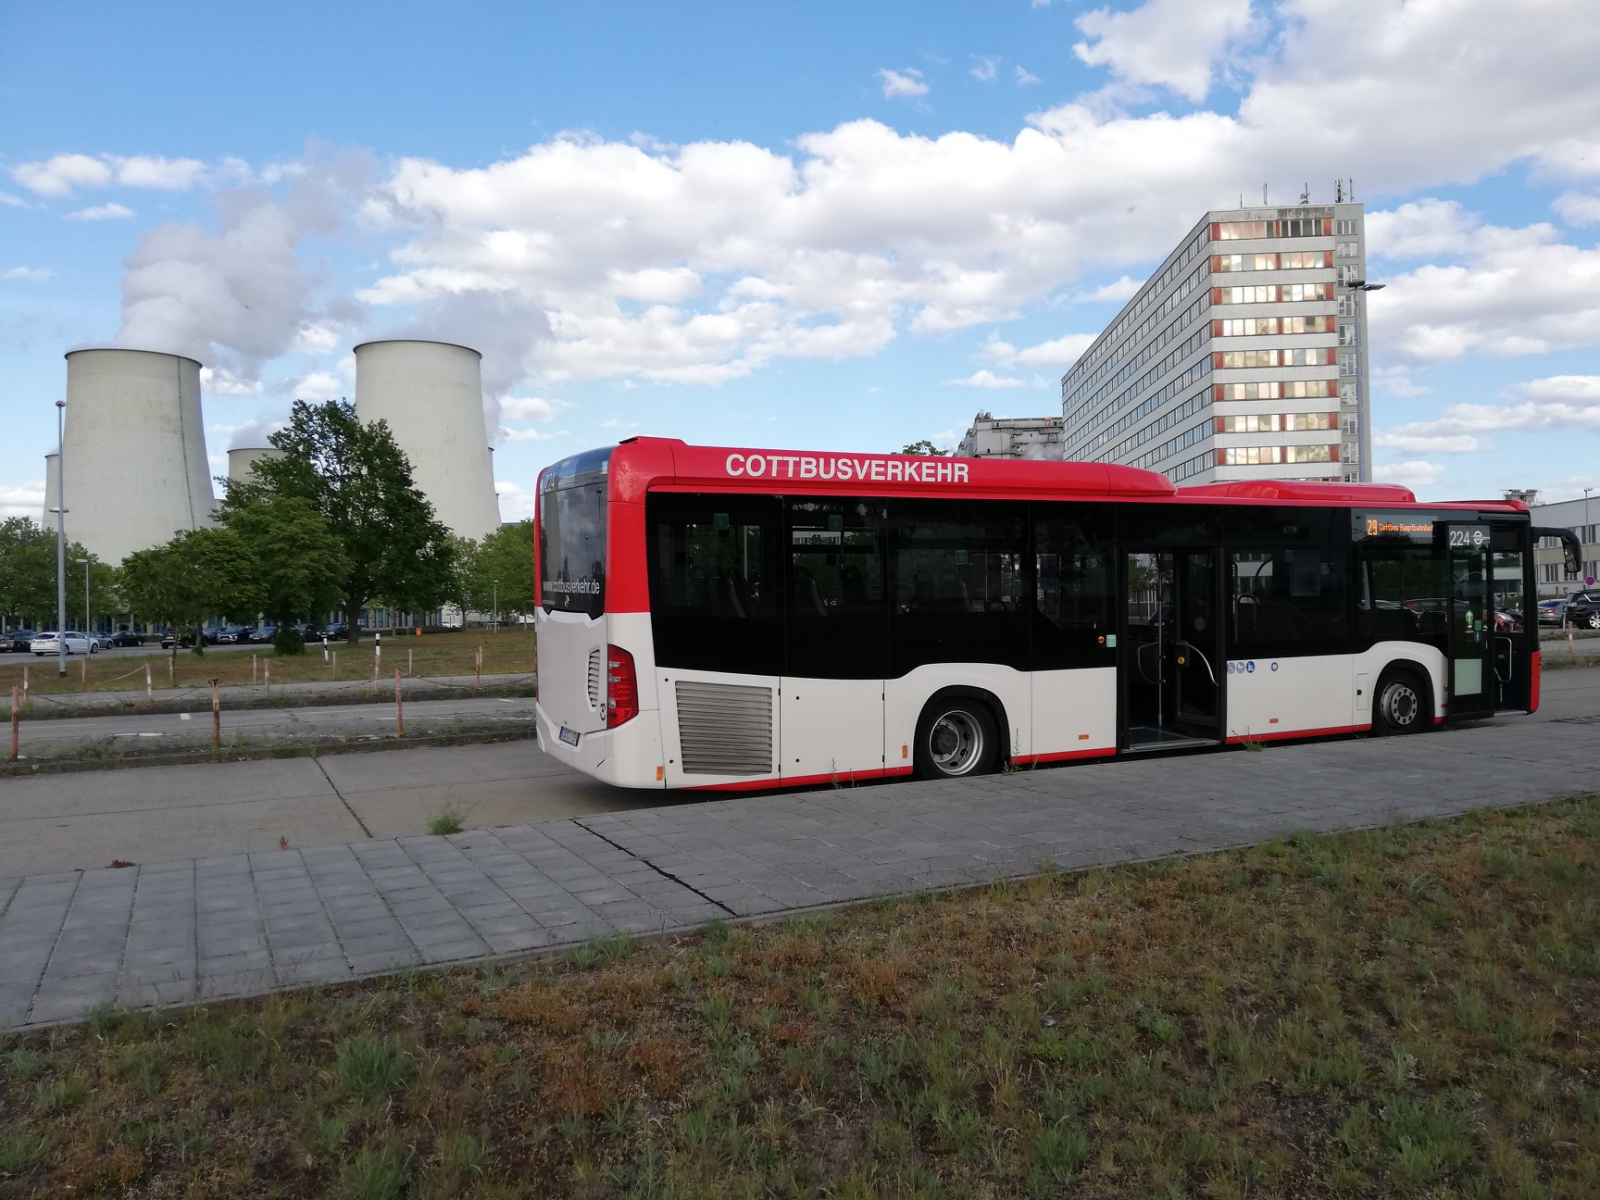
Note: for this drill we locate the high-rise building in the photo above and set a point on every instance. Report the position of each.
(1243, 357)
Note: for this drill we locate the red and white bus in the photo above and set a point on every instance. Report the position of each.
(724, 618)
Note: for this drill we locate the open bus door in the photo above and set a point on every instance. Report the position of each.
(1170, 650)
(1469, 642)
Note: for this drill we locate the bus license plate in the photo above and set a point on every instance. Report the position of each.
(569, 736)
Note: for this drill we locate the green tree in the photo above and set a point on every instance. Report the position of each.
(925, 447)
(28, 576)
(299, 566)
(356, 478)
(198, 574)
(505, 555)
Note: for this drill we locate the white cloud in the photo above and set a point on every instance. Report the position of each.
(1425, 443)
(1118, 290)
(102, 212)
(906, 82)
(1585, 388)
(987, 379)
(317, 337)
(529, 408)
(317, 386)
(618, 424)
(60, 175)
(1425, 228)
(22, 500)
(1025, 77)
(10, 201)
(1578, 208)
(1518, 291)
(516, 503)
(1397, 381)
(28, 274)
(1062, 352)
(987, 68)
(530, 435)
(1169, 43)
(1415, 474)
(219, 381)
(65, 173)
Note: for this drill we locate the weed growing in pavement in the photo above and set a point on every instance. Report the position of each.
(370, 1069)
(447, 822)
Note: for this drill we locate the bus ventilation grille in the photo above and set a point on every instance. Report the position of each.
(725, 729)
(597, 694)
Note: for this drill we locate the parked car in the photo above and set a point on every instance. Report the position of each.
(1550, 611)
(264, 633)
(335, 631)
(50, 642)
(234, 633)
(121, 637)
(1507, 620)
(17, 641)
(1583, 608)
(182, 640)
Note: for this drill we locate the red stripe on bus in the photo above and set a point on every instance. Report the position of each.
(1279, 735)
(1534, 680)
(1023, 760)
(799, 780)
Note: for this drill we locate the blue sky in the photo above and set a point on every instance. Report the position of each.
(813, 226)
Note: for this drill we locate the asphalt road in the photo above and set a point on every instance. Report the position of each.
(154, 814)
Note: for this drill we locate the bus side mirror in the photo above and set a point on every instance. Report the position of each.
(1572, 551)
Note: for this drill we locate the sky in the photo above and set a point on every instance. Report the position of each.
(804, 226)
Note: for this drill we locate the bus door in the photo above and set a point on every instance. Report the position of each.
(1514, 635)
(1170, 650)
(1469, 640)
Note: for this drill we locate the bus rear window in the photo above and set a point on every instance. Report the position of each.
(572, 539)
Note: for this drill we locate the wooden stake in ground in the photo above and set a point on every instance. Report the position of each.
(479, 668)
(24, 681)
(409, 665)
(336, 664)
(171, 682)
(399, 708)
(149, 688)
(216, 717)
(252, 670)
(16, 723)
(268, 669)
(83, 674)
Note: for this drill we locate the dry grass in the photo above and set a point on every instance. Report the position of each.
(1403, 1012)
(509, 651)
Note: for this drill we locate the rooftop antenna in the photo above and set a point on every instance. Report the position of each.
(1338, 191)
(1263, 195)
(1352, 191)
(1305, 196)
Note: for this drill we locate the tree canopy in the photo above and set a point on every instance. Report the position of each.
(198, 574)
(355, 477)
(299, 566)
(505, 555)
(28, 576)
(925, 447)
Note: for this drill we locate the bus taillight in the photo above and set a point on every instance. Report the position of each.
(622, 687)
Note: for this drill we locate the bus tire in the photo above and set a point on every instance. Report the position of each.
(1402, 703)
(956, 738)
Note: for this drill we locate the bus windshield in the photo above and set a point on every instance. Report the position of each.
(572, 535)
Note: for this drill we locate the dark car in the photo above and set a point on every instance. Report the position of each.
(335, 631)
(233, 633)
(121, 637)
(17, 641)
(263, 633)
(1583, 608)
(169, 639)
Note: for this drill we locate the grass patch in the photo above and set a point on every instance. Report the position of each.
(1398, 1012)
(447, 822)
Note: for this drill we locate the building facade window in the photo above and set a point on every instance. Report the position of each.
(1347, 335)
(1347, 249)
(1344, 228)
(1347, 364)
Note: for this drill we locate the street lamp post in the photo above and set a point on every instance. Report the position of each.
(84, 563)
(61, 540)
(497, 606)
(1588, 529)
(1361, 287)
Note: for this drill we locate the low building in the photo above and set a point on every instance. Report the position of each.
(1012, 437)
(1582, 516)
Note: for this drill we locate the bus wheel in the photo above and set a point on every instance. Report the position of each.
(955, 738)
(1401, 705)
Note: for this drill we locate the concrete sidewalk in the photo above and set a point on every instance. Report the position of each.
(238, 924)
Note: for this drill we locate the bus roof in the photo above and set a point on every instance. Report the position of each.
(642, 464)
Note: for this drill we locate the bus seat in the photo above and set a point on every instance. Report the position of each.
(953, 593)
(853, 585)
(807, 596)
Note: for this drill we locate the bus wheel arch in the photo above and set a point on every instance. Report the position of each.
(1403, 699)
(957, 734)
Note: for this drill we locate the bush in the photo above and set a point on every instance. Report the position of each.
(288, 640)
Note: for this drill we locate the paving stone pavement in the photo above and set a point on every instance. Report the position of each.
(234, 925)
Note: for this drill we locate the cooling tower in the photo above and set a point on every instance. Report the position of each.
(134, 451)
(52, 481)
(431, 394)
(243, 458)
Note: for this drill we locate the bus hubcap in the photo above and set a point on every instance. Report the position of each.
(955, 743)
(1400, 704)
